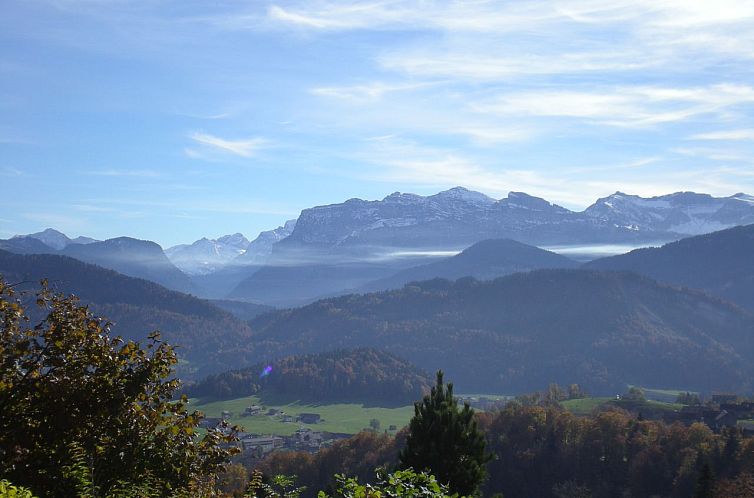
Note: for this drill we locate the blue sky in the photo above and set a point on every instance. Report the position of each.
(173, 120)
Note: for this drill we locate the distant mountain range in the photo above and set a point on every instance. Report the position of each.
(458, 217)
(349, 246)
(55, 239)
(345, 247)
(132, 257)
(549, 321)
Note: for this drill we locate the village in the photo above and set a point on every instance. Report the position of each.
(305, 438)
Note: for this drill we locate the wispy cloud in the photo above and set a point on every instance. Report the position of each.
(715, 154)
(744, 134)
(497, 16)
(247, 147)
(197, 205)
(135, 173)
(462, 63)
(628, 106)
(370, 91)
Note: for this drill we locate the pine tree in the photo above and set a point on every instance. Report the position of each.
(444, 441)
(705, 483)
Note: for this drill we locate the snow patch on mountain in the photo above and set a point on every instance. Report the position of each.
(258, 251)
(207, 255)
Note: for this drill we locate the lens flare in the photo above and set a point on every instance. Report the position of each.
(267, 370)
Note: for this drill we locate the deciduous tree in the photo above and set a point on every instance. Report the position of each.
(81, 408)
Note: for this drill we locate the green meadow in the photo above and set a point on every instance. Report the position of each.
(345, 418)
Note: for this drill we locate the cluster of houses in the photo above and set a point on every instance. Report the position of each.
(304, 418)
(722, 411)
(257, 445)
(483, 403)
(304, 439)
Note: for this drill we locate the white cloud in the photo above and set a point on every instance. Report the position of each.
(484, 16)
(628, 106)
(370, 91)
(497, 16)
(715, 154)
(743, 134)
(244, 147)
(464, 64)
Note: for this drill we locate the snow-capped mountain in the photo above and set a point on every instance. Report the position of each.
(682, 213)
(207, 255)
(259, 250)
(458, 217)
(55, 239)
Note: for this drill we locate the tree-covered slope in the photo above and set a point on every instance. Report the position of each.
(720, 263)
(518, 333)
(365, 375)
(206, 336)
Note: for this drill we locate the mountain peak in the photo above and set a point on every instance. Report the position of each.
(526, 201)
(401, 197)
(236, 239)
(50, 237)
(464, 194)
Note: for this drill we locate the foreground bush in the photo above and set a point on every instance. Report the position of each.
(86, 414)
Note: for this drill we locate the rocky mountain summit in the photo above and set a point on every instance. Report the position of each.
(458, 217)
(207, 255)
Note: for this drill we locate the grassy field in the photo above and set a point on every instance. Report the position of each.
(585, 406)
(346, 418)
(668, 395)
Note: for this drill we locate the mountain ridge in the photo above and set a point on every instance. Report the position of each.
(207, 336)
(603, 330)
(719, 263)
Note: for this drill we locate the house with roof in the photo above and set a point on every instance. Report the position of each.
(309, 418)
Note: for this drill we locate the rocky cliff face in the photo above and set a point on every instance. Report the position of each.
(458, 217)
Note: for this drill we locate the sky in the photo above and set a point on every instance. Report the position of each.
(179, 119)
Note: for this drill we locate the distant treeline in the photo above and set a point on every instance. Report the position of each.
(344, 375)
(546, 452)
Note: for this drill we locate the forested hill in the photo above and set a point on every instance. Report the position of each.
(513, 334)
(207, 336)
(720, 263)
(94, 283)
(365, 375)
